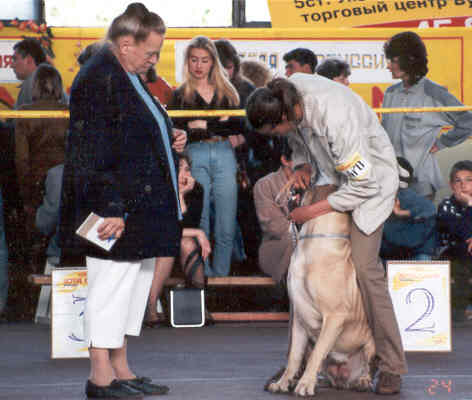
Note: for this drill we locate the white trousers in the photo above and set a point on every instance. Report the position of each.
(116, 301)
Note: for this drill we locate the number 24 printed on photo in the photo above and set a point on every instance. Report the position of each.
(439, 386)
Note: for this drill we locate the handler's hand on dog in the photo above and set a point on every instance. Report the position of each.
(302, 214)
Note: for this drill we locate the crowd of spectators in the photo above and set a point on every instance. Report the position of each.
(230, 163)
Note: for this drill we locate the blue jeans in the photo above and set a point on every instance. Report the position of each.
(3, 259)
(214, 167)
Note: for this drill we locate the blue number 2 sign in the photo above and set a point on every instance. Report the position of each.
(416, 325)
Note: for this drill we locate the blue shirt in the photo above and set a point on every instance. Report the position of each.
(164, 133)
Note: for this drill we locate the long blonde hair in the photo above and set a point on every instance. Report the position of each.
(217, 76)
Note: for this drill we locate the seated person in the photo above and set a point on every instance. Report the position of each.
(272, 212)
(193, 238)
(454, 222)
(409, 232)
(277, 243)
(194, 246)
(47, 214)
(39, 145)
(335, 69)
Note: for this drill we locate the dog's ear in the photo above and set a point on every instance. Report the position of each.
(309, 196)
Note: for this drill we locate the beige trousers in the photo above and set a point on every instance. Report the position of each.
(377, 302)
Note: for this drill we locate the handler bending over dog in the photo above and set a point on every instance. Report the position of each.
(336, 135)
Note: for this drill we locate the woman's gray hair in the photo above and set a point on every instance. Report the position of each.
(136, 21)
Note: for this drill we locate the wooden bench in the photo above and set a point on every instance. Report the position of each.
(248, 281)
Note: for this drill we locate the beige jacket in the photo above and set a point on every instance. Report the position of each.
(277, 245)
(348, 143)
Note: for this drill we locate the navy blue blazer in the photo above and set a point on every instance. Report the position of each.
(116, 164)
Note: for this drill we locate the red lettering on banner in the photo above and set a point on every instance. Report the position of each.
(6, 61)
(377, 97)
(425, 23)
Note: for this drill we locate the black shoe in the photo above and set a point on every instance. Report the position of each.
(145, 386)
(115, 390)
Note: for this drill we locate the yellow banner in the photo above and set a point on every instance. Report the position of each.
(449, 54)
(370, 13)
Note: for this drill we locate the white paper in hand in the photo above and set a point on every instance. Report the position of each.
(89, 230)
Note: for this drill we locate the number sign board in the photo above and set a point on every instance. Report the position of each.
(420, 292)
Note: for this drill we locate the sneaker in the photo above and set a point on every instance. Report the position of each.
(388, 383)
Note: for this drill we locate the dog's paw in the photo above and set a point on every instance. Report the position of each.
(305, 388)
(281, 386)
(364, 384)
(274, 378)
(341, 384)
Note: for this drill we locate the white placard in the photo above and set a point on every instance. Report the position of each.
(69, 291)
(365, 56)
(420, 292)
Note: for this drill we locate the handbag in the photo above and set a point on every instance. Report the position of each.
(187, 307)
(187, 302)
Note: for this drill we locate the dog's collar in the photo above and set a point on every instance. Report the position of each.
(324, 236)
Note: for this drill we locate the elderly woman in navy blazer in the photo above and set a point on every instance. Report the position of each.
(121, 165)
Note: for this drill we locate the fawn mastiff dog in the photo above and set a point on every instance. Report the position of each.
(329, 330)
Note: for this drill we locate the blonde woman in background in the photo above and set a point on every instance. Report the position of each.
(206, 86)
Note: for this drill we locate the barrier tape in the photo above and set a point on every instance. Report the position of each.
(219, 113)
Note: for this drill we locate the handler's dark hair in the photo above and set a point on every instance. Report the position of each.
(464, 165)
(269, 105)
(302, 56)
(136, 21)
(411, 53)
(333, 67)
(31, 47)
